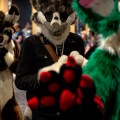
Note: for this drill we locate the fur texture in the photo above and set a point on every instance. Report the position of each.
(111, 44)
(99, 6)
(97, 22)
(9, 54)
(67, 91)
(53, 5)
(105, 73)
(103, 65)
(80, 60)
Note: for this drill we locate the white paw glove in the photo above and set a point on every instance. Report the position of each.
(54, 67)
(79, 58)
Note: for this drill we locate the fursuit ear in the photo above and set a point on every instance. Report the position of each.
(13, 14)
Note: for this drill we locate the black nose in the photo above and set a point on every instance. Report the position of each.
(1, 39)
(56, 18)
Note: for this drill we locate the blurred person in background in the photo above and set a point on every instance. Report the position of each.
(87, 41)
(93, 43)
(92, 36)
(18, 35)
(27, 31)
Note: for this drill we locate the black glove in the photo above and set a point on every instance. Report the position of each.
(3, 51)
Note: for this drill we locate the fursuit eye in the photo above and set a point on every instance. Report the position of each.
(63, 16)
(48, 16)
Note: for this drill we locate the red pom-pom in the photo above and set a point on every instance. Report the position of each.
(45, 77)
(79, 97)
(33, 103)
(98, 101)
(68, 76)
(71, 62)
(48, 101)
(67, 100)
(54, 87)
(85, 81)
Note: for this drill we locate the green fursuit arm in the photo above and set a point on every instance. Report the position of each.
(104, 69)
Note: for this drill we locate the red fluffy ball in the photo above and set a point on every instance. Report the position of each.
(79, 96)
(98, 101)
(67, 100)
(68, 76)
(45, 76)
(33, 103)
(54, 87)
(86, 81)
(48, 101)
(71, 62)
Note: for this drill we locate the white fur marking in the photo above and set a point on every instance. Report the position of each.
(9, 58)
(56, 14)
(6, 88)
(41, 17)
(28, 114)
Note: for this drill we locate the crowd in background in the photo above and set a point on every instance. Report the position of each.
(89, 36)
(21, 33)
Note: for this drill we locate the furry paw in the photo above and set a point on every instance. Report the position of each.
(80, 60)
(50, 88)
(54, 67)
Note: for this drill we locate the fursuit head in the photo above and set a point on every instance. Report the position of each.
(103, 66)
(53, 18)
(9, 54)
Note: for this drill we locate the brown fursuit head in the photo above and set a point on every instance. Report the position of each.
(9, 55)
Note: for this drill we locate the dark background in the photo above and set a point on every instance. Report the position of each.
(25, 11)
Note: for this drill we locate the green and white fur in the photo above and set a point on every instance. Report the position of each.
(103, 65)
